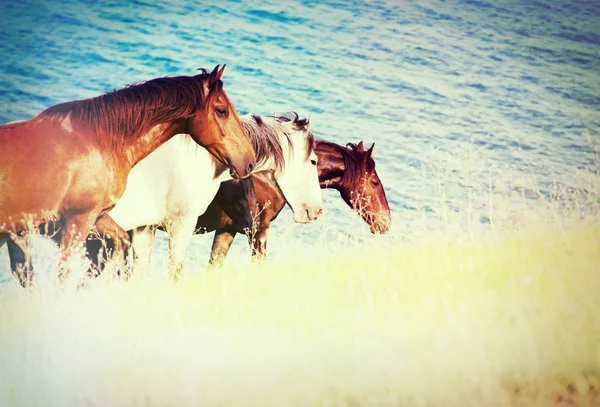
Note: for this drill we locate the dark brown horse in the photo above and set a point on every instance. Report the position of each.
(71, 162)
(350, 170)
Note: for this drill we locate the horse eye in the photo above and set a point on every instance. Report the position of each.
(221, 112)
(313, 162)
(375, 183)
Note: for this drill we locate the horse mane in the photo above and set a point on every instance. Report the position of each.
(300, 125)
(355, 165)
(263, 133)
(135, 109)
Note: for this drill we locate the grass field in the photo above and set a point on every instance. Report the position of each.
(457, 317)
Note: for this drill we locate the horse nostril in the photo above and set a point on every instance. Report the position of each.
(320, 211)
(234, 174)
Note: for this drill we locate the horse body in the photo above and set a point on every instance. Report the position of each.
(235, 200)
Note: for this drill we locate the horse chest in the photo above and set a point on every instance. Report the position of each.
(190, 185)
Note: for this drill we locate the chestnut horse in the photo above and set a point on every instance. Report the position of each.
(350, 170)
(71, 162)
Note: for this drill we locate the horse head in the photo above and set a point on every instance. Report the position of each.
(216, 126)
(364, 192)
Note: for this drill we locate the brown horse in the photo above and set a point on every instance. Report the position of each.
(71, 162)
(350, 170)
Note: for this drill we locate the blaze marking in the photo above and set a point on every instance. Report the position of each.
(66, 124)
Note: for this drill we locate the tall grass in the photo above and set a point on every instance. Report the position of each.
(504, 314)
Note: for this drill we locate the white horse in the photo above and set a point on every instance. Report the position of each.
(176, 183)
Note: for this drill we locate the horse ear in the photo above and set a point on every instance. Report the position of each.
(208, 84)
(360, 147)
(214, 76)
(308, 124)
(370, 151)
(214, 72)
(220, 73)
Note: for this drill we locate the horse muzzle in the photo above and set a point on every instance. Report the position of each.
(308, 214)
(235, 174)
(380, 226)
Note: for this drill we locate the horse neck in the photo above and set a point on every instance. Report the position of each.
(331, 165)
(201, 154)
(146, 143)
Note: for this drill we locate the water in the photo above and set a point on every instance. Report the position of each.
(515, 83)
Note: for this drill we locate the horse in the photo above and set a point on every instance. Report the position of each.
(161, 192)
(70, 163)
(350, 170)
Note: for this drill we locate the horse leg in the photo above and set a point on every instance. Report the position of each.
(141, 243)
(74, 234)
(258, 243)
(107, 227)
(19, 262)
(94, 249)
(220, 247)
(180, 233)
(20, 259)
(111, 232)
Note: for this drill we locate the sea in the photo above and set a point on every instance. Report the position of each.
(462, 98)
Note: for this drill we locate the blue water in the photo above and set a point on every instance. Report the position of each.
(445, 89)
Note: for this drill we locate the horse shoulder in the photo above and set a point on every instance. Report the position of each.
(139, 204)
(35, 166)
(95, 180)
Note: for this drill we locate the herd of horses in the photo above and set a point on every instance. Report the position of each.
(172, 154)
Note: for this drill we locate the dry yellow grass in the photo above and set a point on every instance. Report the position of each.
(457, 317)
(506, 320)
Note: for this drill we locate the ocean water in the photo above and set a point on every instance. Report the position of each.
(447, 90)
